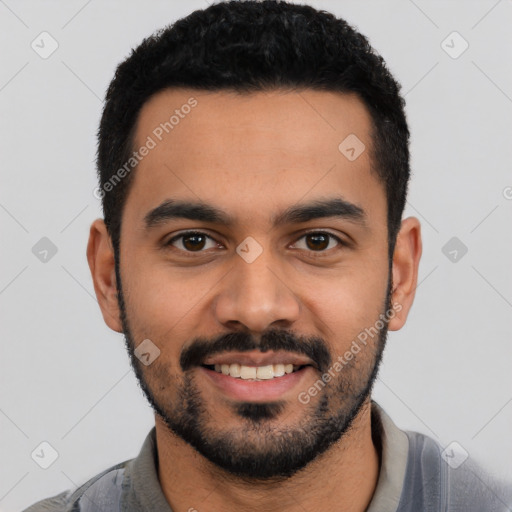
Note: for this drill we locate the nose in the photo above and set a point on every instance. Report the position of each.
(256, 295)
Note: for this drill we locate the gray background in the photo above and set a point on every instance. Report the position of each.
(65, 377)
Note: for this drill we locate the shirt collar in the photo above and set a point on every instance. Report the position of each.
(393, 445)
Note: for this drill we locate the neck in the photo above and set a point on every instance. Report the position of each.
(350, 467)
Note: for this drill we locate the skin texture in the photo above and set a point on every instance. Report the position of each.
(253, 156)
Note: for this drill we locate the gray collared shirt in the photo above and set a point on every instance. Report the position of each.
(413, 477)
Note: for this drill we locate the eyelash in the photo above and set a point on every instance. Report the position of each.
(194, 253)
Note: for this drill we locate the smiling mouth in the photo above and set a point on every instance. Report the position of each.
(255, 373)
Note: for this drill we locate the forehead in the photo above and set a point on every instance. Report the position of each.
(252, 153)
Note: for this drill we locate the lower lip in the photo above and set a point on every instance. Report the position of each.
(257, 390)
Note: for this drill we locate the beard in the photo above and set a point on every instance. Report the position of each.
(262, 447)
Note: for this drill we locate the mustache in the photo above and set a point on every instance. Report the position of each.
(313, 347)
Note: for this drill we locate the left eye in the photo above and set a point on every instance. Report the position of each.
(319, 241)
(195, 241)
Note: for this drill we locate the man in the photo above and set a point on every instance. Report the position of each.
(253, 163)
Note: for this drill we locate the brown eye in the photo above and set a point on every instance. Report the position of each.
(192, 241)
(319, 241)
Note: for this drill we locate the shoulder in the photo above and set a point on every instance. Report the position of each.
(101, 492)
(448, 479)
(59, 503)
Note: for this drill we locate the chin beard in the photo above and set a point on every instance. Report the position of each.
(262, 448)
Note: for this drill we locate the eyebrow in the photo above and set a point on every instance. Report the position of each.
(172, 209)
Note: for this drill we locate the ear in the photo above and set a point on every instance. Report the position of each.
(406, 259)
(100, 255)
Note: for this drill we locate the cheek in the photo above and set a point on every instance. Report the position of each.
(164, 304)
(348, 305)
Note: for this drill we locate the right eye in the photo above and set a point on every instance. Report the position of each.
(191, 241)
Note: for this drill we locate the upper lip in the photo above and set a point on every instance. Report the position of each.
(257, 358)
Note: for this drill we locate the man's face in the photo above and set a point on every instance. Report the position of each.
(264, 290)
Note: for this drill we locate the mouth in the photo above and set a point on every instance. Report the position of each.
(258, 376)
(255, 373)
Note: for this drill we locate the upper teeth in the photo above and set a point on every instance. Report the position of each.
(255, 372)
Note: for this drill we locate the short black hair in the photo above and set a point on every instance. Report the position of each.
(249, 46)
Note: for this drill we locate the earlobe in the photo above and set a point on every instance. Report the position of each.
(100, 256)
(406, 259)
